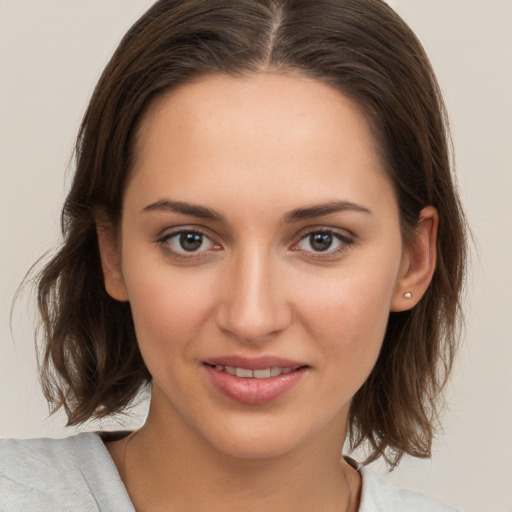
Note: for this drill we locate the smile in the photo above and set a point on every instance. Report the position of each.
(246, 373)
(259, 385)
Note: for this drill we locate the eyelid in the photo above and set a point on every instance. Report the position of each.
(168, 234)
(322, 228)
(345, 237)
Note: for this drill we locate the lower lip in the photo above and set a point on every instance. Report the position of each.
(252, 391)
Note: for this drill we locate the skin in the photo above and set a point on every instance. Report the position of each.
(253, 150)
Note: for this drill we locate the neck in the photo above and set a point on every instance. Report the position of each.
(165, 467)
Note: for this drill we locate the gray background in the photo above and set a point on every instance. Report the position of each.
(51, 54)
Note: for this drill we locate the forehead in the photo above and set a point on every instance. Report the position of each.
(292, 105)
(261, 133)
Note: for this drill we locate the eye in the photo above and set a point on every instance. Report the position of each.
(187, 241)
(323, 241)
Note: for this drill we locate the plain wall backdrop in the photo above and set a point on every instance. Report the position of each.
(51, 55)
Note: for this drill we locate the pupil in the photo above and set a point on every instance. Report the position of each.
(191, 241)
(321, 241)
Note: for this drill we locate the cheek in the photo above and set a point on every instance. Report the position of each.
(169, 308)
(347, 316)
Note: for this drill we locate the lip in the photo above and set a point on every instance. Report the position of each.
(253, 391)
(254, 363)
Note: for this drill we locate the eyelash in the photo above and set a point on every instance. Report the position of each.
(183, 254)
(344, 241)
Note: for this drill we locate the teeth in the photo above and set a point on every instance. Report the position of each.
(245, 373)
(262, 374)
(230, 369)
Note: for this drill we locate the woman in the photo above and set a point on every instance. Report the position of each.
(263, 226)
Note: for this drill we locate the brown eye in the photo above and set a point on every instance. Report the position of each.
(191, 241)
(187, 243)
(320, 241)
(326, 241)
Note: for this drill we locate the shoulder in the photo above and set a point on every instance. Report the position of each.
(55, 474)
(378, 495)
(17, 454)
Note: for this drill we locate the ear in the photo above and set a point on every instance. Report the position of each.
(110, 257)
(418, 262)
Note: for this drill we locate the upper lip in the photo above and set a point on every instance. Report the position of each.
(254, 363)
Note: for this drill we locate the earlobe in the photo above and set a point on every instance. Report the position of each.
(110, 259)
(418, 262)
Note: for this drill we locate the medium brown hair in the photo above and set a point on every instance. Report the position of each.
(91, 364)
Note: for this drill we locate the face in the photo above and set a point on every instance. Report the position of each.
(260, 237)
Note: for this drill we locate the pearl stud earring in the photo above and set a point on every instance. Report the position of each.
(408, 295)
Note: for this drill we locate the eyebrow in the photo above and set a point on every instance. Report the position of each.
(324, 209)
(296, 215)
(201, 212)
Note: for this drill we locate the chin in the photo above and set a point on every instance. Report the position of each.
(263, 437)
(256, 447)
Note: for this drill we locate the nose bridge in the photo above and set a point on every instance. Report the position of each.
(255, 305)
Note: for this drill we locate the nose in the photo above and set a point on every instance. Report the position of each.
(253, 307)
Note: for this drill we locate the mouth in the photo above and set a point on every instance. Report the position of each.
(247, 373)
(254, 381)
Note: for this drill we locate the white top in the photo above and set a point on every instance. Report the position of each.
(77, 474)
